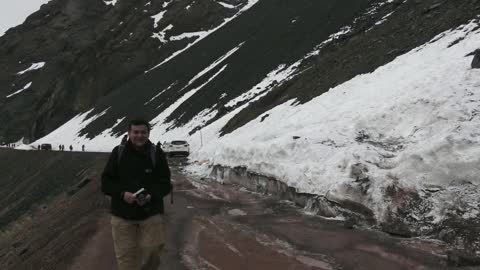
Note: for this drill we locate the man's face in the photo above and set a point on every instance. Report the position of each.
(138, 135)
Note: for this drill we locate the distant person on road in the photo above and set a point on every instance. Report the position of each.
(71, 148)
(83, 148)
(137, 215)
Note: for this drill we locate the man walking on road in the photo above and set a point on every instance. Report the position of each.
(137, 177)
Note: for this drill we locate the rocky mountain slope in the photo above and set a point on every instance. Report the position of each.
(95, 55)
(365, 103)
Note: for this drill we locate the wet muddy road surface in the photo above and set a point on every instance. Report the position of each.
(225, 227)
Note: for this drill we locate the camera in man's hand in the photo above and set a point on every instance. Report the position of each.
(142, 196)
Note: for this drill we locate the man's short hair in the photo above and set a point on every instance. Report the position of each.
(139, 122)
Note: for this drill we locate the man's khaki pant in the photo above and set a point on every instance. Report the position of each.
(137, 243)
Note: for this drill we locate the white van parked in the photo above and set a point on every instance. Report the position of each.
(174, 148)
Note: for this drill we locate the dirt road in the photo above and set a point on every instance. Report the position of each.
(224, 227)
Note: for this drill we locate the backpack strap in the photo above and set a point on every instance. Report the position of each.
(153, 156)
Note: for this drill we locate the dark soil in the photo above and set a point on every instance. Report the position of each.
(47, 213)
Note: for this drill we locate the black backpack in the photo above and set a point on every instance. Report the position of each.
(153, 158)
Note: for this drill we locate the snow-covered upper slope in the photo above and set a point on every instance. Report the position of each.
(413, 123)
(13, 13)
(415, 119)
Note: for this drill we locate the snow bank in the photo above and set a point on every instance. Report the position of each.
(413, 122)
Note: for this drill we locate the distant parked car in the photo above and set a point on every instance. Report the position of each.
(46, 146)
(174, 148)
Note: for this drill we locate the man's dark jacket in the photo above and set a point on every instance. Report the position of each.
(133, 171)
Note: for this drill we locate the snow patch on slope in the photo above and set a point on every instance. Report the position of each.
(161, 92)
(160, 119)
(214, 64)
(157, 18)
(110, 2)
(21, 90)
(203, 34)
(68, 133)
(161, 35)
(34, 66)
(274, 78)
(225, 5)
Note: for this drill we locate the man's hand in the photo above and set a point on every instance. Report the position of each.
(129, 198)
(145, 200)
